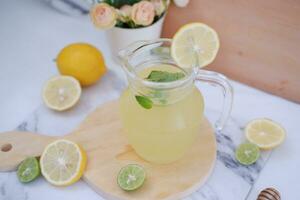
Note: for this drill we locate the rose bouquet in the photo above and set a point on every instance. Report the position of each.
(127, 21)
(127, 13)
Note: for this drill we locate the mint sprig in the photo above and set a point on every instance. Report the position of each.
(158, 76)
(163, 76)
(145, 102)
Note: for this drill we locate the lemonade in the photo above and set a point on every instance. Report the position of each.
(162, 110)
(163, 133)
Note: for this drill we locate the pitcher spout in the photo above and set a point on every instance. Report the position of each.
(124, 55)
(130, 56)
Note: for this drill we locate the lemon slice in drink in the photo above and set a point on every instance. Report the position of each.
(131, 177)
(265, 133)
(63, 162)
(195, 45)
(61, 92)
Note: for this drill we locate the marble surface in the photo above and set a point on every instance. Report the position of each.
(29, 43)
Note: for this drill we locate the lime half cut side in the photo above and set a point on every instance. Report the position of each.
(131, 177)
(247, 153)
(28, 170)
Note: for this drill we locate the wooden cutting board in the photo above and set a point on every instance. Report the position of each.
(100, 134)
(260, 40)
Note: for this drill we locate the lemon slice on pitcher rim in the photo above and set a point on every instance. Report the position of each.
(63, 162)
(195, 45)
(61, 92)
(265, 133)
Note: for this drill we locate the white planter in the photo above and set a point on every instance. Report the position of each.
(119, 38)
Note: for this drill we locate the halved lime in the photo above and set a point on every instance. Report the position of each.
(247, 153)
(131, 177)
(28, 170)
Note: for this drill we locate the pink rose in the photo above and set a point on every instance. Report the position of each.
(103, 16)
(126, 10)
(143, 13)
(125, 13)
(159, 6)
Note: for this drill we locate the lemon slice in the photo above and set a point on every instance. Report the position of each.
(265, 133)
(63, 162)
(195, 45)
(61, 92)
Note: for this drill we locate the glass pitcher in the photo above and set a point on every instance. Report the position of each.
(162, 119)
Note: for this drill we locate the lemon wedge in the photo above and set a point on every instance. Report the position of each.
(265, 133)
(195, 45)
(61, 92)
(63, 162)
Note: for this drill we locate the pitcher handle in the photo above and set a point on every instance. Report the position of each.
(220, 80)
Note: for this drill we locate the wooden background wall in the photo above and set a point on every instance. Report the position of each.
(260, 40)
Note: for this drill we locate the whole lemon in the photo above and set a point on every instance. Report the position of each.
(82, 61)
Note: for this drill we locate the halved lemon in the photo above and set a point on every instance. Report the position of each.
(195, 45)
(63, 162)
(61, 92)
(265, 133)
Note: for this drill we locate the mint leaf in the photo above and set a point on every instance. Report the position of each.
(157, 95)
(163, 76)
(145, 102)
(120, 3)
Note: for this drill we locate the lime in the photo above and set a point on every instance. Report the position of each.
(28, 170)
(247, 153)
(131, 177)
